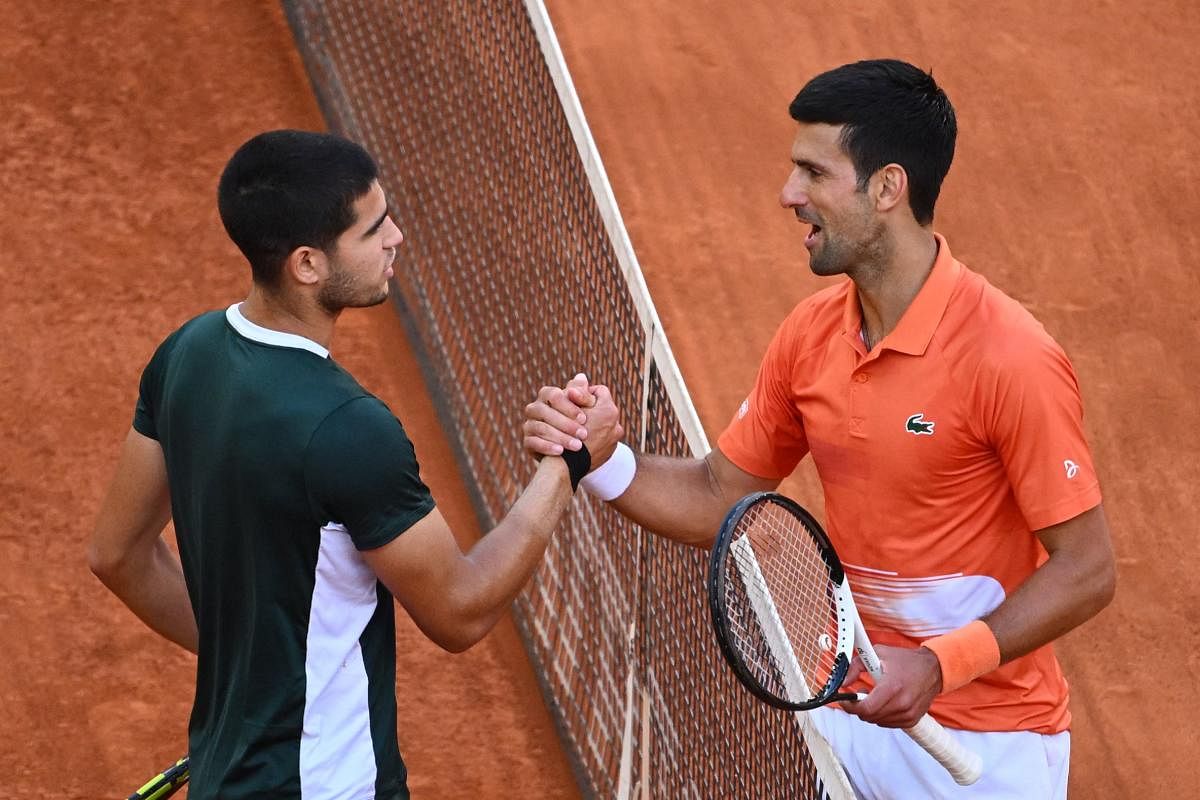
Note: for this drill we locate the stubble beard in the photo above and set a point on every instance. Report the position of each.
(865, 255)
(830, 259)
(341, 292)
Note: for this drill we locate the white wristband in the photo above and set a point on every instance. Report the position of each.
(610, 480)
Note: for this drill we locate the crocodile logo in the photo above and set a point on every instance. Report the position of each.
(916, 425)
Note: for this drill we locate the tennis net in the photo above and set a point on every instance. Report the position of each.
(516, 272)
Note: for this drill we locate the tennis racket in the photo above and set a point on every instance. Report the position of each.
(165, 783)
(786, 621)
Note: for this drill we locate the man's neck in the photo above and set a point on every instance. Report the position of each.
(279, 312)
(885, 294)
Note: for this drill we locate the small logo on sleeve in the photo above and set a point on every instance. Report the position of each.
(917, 425)
(1072, 468)
(745, 406)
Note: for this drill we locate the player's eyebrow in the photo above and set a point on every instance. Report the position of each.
(806, 164)
(378, 222)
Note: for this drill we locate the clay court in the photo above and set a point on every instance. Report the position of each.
(1074, 189)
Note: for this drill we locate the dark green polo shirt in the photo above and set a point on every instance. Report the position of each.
(282, 468)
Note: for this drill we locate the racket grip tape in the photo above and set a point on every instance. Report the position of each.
(964, 765)
(165, 783)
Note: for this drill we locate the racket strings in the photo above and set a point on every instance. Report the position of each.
(781, 605)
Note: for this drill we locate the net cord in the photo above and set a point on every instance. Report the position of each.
(658, 348)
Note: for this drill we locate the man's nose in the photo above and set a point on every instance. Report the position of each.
(395, 237)
(792, 194)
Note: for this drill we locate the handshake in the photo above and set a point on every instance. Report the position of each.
(578, 416)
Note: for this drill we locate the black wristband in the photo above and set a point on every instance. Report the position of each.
(579, 463)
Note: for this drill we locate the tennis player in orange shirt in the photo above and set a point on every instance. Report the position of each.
(946, 426)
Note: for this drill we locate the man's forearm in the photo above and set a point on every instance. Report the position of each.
(678, 498)
(152, 586)
(1072, 586)
(502, 562)
(1055, 599)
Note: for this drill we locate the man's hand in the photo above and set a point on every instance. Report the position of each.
(603, 424)
(554, 421)
(912, 677)
(563, 418)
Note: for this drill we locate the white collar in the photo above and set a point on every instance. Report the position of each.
(258, 333)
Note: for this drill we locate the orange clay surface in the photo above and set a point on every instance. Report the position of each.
(116, 122)
(1074, 189)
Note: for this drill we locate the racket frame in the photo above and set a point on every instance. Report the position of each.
(774, 632)
(964, 765)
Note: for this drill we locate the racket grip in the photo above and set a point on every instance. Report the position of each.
(166, 783)
(964, 765)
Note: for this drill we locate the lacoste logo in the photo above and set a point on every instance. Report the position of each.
(916, 425)
(1072, 468)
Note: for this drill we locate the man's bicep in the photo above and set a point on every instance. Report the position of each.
(1082, 549)
(1084, 535)
(726, 483)
(419, 568)
(735, 482)
(138, 504)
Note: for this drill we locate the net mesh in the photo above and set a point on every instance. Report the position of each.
(509, 279)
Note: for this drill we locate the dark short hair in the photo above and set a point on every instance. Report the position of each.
(287, 189)
(892, 113)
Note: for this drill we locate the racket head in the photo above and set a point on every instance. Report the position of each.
(778, 601)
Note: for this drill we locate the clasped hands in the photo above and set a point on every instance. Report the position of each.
(568, 417)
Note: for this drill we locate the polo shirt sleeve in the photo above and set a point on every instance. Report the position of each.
(361, 471)
(150, 389)
(766, 436)
(143, 412)
(1035, 423)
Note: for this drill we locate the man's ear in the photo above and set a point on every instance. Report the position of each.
(891, 187)
(306, 265)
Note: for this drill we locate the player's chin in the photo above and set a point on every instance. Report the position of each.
(379, 296)
(823, 266)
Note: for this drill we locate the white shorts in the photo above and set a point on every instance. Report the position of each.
(884, 764)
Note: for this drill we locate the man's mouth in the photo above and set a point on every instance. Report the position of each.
(811, 239)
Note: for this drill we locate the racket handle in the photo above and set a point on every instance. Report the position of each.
(964, 765)
(165, 783)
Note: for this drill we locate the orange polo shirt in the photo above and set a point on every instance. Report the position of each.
(940, 453)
